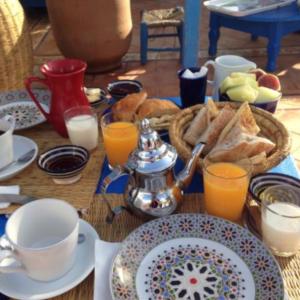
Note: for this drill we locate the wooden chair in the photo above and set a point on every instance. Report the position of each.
(160, 18)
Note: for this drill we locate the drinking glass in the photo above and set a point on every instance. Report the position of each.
(120, 139)
(225, 187)
(82, 126)
(281, 219)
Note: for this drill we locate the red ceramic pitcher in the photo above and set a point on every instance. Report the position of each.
(64, 78)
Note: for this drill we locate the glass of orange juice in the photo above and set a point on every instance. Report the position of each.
(225, 188)
(120, 139)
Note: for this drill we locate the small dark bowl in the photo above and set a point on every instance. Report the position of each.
(269, 106)
(260, 182)
(64, 163)
(121, 88)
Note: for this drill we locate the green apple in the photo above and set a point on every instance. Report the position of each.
(265, 94)
(243, 93)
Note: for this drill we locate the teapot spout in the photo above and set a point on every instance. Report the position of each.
(184, 178)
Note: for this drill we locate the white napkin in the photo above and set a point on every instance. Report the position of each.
(188, 74)
(105, 253)
(12, 189)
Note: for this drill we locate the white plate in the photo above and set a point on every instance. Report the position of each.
(230, 7)
(21, 145)
(26, 113)
(20, 286)
(194, 256)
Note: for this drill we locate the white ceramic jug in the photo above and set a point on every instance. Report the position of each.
(7, 125)
(224, 66)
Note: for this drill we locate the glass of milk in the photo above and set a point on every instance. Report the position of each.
(82, 126)
(281, 219)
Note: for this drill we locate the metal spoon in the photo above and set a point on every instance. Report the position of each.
(22, 159)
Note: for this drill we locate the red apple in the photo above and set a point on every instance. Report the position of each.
(270, 81)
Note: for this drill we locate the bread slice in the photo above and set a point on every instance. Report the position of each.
(126, 108)
(211, 134)
(243, 119)
(240, 145)
(153, 108)
(201, 122)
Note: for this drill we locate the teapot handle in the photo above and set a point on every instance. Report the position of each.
(116, 173)
(28, 83)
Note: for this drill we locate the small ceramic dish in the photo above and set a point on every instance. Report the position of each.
(96, 96)
(64, 163)
(269, 106)
(260, 182)
(121, 88)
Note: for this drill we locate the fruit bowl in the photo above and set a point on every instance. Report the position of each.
(258, 88)
(269, 106)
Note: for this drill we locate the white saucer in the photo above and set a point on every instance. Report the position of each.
(20, 286)
(21, 145)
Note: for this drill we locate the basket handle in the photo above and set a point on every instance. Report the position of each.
(28, 82)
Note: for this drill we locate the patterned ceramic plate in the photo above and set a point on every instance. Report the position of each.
(26, 113)
(193, 257)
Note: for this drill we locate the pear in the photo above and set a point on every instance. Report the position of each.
(243, 93)
(266, 94)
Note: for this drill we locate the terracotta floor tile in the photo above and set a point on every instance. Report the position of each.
(39, 31)
(295, 142)
(291, 119)
(296, 154)
(48, 47)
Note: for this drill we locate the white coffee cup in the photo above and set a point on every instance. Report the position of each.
(41, 237)
(7, 125)
(225, 65)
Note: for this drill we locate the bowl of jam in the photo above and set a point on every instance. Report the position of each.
(121, 88)
(64, 163)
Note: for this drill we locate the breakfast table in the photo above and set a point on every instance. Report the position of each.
(92, 207)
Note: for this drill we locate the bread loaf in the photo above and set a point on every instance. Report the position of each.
(126, 108)
(152, 108)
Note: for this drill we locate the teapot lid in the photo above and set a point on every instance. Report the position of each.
(152, 155)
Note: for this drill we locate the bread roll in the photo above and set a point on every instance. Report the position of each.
(126, 108)
(152, 108)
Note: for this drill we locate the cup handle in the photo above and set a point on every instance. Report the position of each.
(116, 173)
(28, 82)
(11, 120)
(213, 64)
(6, 252)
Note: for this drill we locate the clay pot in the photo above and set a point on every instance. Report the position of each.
(96, 31)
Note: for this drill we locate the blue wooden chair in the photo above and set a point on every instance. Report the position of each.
(272, 24)
(160, 18)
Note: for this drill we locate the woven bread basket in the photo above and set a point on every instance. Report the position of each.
(16, 58)
(270, 128)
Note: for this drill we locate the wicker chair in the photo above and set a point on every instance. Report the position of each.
(16, 58)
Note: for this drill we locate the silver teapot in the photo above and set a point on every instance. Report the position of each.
(152, 189)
